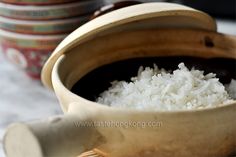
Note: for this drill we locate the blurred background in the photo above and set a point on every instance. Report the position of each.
(28, 35)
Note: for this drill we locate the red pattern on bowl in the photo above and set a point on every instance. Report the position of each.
(30, 60)
(42, 27)
(28, 52)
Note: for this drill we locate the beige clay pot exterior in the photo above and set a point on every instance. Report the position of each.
(205, 133)
(154, 29)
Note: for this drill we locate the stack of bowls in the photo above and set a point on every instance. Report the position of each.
(31, 29)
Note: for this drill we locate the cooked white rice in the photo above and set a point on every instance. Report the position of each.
(158, 89)
(231, 88)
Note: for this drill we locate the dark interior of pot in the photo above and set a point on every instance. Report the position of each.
(99, 80)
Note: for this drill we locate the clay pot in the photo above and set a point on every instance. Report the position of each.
(144, 30)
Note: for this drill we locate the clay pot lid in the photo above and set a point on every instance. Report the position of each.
(136, 17)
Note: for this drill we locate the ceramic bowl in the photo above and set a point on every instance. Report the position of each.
(42, 27)
(48, 12)
(36, 2)
(28, 52)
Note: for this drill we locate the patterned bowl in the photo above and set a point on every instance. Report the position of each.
(36, 2)
(28, 52)
(59, 11)
(42, 27)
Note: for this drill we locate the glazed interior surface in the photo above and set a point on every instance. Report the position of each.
(99, 79)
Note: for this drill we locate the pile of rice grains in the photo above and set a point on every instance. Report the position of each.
(159, 89)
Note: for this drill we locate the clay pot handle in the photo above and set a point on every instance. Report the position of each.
(58, 136)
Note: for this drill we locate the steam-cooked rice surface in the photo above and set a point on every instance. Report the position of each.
(158, 89)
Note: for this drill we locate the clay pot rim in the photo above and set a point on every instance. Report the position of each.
(62, 88)
(110, 21)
